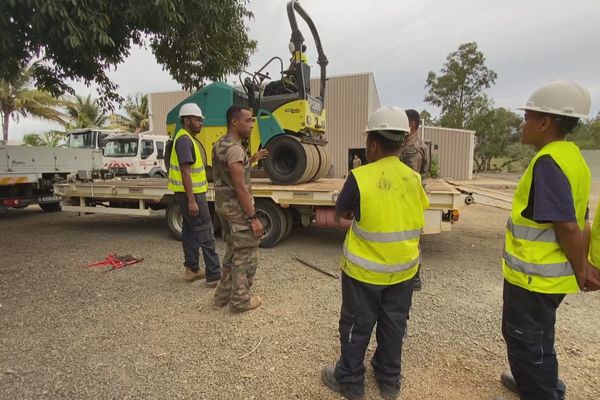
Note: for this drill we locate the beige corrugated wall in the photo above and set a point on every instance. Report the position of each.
(349, 99)
(455, 151)
(159, 105)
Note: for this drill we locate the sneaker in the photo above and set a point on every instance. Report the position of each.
(191, 276)
(351, 392)
(254, 302)
(389, 390)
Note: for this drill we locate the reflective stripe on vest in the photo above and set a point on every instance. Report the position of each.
(531, 234)
(545, 270)
(532, 258)
(197, 170)
(382, 248)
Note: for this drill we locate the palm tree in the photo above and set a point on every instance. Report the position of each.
(50, 139)
(84, 112)
(136, 119)
(19, 99)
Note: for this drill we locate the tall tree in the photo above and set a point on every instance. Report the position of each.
(495, 131)
(136, 120)
(18, 99)
(84, 112)
(459, 89)
(587, 136)
(80, 40)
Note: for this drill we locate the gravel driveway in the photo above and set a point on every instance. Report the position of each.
(142, 333)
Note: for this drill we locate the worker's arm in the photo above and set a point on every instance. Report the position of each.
(572, 241)
(244, 196)
(186, 177)
(348, 200)
(259, 155)
(593, 273)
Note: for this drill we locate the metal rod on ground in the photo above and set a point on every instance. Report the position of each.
(315, 267)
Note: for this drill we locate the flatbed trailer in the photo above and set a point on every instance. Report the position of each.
(280, 207)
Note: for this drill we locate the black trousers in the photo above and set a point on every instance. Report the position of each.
(197, 233)
(528, 320)
(363, 306)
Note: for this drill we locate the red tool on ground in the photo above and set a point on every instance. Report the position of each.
(116, 262)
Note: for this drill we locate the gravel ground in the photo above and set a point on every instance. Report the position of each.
(142, 333)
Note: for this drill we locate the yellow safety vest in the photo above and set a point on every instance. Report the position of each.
(198, 173)
(595, 244)
(383, 247)
(533, 259)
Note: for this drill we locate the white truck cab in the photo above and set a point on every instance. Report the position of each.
(135, 154)
(88, 138)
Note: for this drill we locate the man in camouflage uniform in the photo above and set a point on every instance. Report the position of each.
(234, 204)
(414, 153)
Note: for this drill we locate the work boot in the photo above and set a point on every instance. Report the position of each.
(508, 381)
(389, 390)
(212, 284)
(254, 302)
(191, 276)
(351, 392)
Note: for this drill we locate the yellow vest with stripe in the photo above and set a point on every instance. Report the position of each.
(595, 244)
(198, 173)
(382, 248)
(533, 259)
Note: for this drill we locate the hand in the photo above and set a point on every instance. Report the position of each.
(593, 278)
(193, 208)
(257, 228)
(259, 155)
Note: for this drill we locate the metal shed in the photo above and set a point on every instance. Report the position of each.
(454, 149)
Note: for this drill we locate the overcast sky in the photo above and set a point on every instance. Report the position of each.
(527, 43)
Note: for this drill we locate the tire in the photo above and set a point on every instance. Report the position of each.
(174, 220)
(50, 207)
(323, 162)
(158, 174)
(289, 216)
(287, 160)
(313, 161)
(273, 220)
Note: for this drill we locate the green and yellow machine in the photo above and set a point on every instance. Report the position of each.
(290, 121)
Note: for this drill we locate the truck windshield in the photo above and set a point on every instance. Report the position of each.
(81, 140)
(121, 148)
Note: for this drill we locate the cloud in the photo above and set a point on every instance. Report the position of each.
(526, 42)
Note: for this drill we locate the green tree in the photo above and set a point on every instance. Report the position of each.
(459, 89)
(426, 118)
(80, 40)
(50, 139)
(495, 130)
(84, 112)
(136, 120)
(587, 136)
(18, 99)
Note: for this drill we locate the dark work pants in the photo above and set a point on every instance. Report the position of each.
(196, 233)
(363, 305)
(528, 320)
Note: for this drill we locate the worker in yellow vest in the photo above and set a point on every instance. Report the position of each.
(187, 178)
(545, 244)
(593, 282)
(381, 256)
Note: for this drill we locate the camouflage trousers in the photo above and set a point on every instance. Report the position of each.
(239, 264)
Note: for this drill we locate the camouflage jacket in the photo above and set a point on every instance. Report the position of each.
(414, 154)
(227, 204)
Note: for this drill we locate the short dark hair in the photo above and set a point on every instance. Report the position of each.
(413, 116)
(303, 48)
(566, 124)
(388, 146)
(234, 112)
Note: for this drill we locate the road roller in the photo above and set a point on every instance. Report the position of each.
(289, 119)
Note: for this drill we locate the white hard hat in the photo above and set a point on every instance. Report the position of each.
(391, 122)
(190, 110)
(561, 98)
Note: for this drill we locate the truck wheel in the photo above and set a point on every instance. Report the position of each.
(273, 221)
(50, 207)
(287, 160)
(158, 174)
(313, 162)
(323, 162)
(174, 220)
(289, 216)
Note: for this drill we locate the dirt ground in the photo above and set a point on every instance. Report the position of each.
(142, 333)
